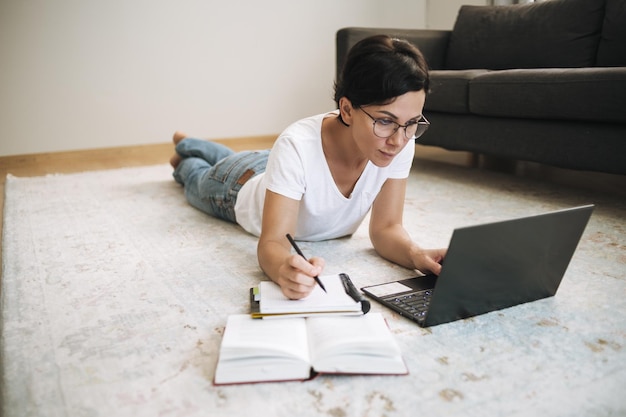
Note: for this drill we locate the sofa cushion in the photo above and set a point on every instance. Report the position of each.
(581, 94)
(612, 48)
(449, 90)
(555, 33)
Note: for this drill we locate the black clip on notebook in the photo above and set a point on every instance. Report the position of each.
(355, 294)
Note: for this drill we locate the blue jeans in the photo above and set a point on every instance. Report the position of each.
(213, 174)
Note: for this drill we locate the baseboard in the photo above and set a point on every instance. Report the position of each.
(109, 158)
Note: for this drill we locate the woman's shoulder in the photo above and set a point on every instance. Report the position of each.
(308, 127)
(301, 142)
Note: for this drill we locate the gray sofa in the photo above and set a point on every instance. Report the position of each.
(542, 82)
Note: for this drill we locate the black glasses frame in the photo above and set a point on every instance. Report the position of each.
(422, 126)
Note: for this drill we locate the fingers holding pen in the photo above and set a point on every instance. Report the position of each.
(297, 275)
(311, 267)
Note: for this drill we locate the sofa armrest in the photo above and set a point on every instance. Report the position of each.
(432, 43)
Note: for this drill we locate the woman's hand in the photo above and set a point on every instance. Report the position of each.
(428, 260)
(296, 276)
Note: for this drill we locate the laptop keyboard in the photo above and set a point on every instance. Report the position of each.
(414, 305)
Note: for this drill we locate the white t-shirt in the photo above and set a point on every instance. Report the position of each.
(297, 169)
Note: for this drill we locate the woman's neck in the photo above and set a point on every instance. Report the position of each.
(344, 159)
(339, 146)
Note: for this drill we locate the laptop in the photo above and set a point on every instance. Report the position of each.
(490, 267)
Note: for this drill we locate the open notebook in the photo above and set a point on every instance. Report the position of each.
(298, 348)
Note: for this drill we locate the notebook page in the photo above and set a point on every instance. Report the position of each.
(335, 299)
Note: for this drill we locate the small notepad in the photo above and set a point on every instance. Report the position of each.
(341, 298)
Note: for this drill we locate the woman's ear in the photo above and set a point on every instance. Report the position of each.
(346, 110)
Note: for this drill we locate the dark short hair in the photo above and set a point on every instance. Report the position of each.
(380, 68)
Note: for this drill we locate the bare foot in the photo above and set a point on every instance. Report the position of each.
(176, 158)
(178, 136)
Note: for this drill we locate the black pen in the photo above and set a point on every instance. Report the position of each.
(295, 246)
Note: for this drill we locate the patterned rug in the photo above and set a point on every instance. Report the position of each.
(115, 294)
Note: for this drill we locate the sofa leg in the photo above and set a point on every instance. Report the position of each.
(473, 160)
(498, 164)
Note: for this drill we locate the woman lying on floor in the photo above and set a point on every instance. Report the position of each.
(324, 173)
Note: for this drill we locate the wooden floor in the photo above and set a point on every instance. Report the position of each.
(111, 158)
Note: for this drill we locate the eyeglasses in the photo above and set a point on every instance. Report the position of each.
(386, 128)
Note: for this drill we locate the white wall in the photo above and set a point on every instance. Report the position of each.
(84, 74)
(441, 14)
